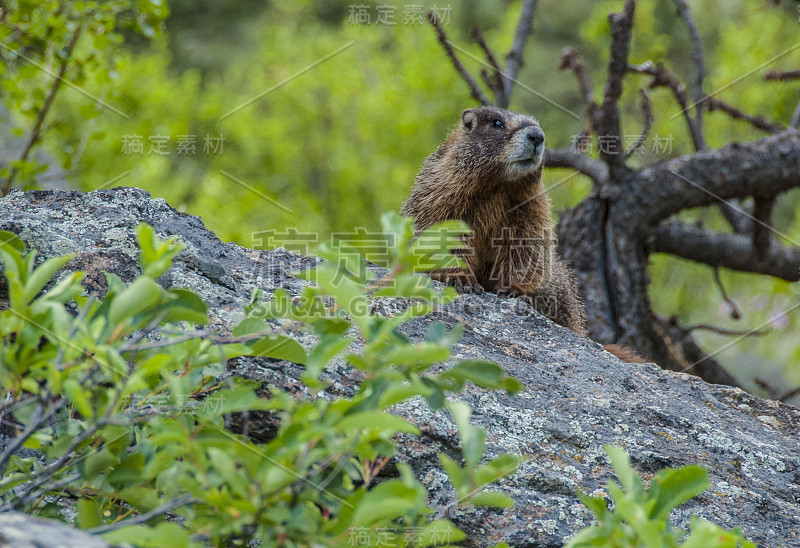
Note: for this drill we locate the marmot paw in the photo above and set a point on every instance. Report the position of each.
(512, 293)
(465, 285)
(508, 293)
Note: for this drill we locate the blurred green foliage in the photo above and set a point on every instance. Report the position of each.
(331, 148)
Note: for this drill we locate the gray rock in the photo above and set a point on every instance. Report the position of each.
(577, 398)
(21, 531)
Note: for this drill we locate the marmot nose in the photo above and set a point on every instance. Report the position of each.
(536, 135)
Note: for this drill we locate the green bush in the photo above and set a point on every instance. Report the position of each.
(120, 396)
(641, 516)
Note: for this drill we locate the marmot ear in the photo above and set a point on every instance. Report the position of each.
(468, 118)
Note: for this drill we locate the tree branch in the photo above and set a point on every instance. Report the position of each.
(765, 167)
(738, 216)
(571, 60)
(782, 75)
(727, 332)
(495, 81)
(664, 78)
(514, 55)
(758, 122)
(564, 157)
(608, 127)
(40, 116)
(732, 251)
(477, 94)
(762, 223)
(735, 313)
(700, 71)
(141, 518)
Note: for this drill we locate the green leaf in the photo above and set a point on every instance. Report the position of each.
(77, 397)
(423, 354)
(184, 305)
(473, 439)
(458, 476)
(439, 532)
(705, 534)
(482, 373)
(248, 326)
(494, 499)
(438, 333)
(234, 400)
(597, 505)
(10, 240)
(327, 349)
(280, 347)
(388, 501)
(396, 393)
(495, 469)
(155, 256)
(435, 399)
(348, 293)
(97, 463)
(129, 471)
(163, 534)
(374, 420)
(140, 296)
(89, 514)
(628, 477)
(677, 485)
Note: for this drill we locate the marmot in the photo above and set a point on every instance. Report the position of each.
(488, 173)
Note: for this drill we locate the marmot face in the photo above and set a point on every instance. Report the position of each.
(488, 174)
(515, 141)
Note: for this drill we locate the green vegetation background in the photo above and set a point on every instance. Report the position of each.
(335, 147)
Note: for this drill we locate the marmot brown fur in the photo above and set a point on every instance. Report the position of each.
(488, 173)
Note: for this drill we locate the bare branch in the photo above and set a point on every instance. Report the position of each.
(647, 113)
(40, 116)
(733, 251)
(762, 213)
(735, 313)
(765, 167)
(700, 71)
(477, 94)
(756, 121)
(564, 157)
(608, 126)
(664, 78)
(571, 60)
(141, 518)
(514, 55)
(790, 394)
(495, 80)
(737, 216)
(727, 332)
(782, 75)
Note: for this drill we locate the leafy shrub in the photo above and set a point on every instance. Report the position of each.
(49, 45)
(641, 516)
(120, 397)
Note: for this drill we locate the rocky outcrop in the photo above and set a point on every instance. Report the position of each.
(21, 531)
(577, 396)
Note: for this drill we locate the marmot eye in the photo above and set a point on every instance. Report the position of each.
(498, 124)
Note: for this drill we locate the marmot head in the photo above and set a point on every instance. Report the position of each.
(501, 143)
